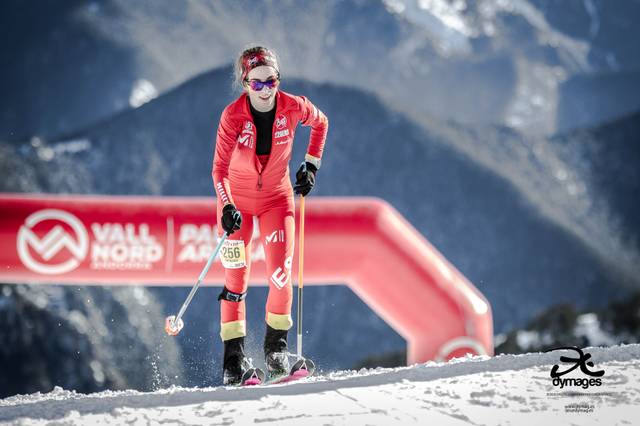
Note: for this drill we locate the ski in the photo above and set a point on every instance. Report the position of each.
(252, 377)
(301, 369)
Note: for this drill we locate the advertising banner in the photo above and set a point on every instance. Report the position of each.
(360, 242)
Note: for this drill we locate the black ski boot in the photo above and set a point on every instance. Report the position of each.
(275, 352)
(235, 363)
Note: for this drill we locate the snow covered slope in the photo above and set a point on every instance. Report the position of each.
(507, 389)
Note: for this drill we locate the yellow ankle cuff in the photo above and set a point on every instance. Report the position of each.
(279, 321)
(233, 329)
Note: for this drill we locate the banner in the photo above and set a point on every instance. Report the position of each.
(360, 242)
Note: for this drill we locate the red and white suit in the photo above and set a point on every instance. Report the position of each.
(261, 187)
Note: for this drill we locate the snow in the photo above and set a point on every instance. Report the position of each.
(588, 325)
(142, 92)
(507, 389)
(442, 21)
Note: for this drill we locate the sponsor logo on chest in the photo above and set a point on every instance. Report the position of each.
(247, 136)
(281, 133)
(281, 122)
(281, 130)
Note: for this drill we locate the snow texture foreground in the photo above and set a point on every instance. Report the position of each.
(508, 389)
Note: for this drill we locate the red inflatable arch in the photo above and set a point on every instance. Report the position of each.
(361, 242)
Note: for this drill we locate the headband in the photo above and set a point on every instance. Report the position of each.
(255, 60)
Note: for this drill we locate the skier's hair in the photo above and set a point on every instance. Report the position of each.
(242, 66)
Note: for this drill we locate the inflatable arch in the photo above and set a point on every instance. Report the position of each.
(361, 242)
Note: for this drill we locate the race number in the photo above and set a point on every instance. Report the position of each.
(232, 254)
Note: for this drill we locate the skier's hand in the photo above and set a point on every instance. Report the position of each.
(305, 178)
(231, 219)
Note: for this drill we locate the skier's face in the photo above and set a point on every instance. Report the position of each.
(263, 100)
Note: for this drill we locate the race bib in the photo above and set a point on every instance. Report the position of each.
(232, 254)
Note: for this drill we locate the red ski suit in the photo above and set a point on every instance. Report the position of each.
(265, 192)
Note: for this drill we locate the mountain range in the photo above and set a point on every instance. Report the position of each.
(539, 66)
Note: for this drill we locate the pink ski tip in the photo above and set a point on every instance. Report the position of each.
(300, 374)
(297, 375)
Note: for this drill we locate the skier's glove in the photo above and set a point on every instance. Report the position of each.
(305, 178)
(231, 219)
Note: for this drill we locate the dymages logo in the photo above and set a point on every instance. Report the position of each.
(53, 242)
(582, 362)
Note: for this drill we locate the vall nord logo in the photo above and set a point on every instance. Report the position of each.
(54, 241)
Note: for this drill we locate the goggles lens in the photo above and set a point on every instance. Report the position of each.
(257, 85)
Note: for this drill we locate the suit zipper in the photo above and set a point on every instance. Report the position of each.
(269, 159)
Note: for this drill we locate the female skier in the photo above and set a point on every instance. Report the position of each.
(251, 178)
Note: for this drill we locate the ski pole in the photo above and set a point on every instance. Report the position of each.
(173, 324)
(300, 275)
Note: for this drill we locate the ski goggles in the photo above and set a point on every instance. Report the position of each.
(258, 85)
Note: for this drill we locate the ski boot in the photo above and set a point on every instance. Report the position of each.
(236, 368)
(275, 352)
